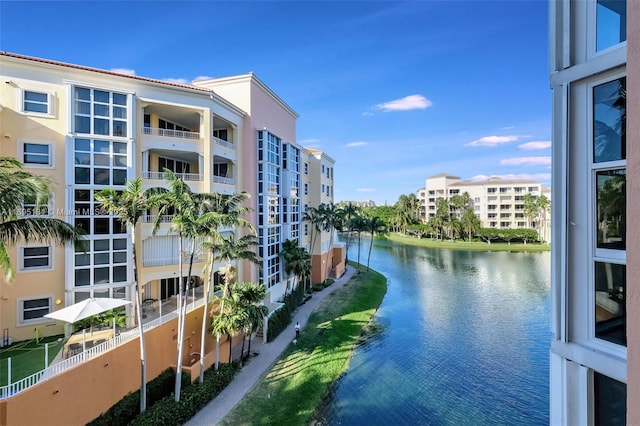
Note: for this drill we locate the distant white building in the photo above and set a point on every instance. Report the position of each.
(498, 203)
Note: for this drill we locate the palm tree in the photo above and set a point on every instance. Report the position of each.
(229, 249)
(17, 185)
(185, 206)
(228, 212)
(330, 217)
(349, 212)
(250, 297)
(375, 226)
(470, 222)
(287, 253)
(299, 264)
(129, 205)
(360, 224)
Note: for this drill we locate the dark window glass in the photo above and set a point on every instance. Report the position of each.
(83, 175)
(119, 99)
(83, 145)
(119, 148)
(84, 94)
(82, 259)
(119, 128)
(101, 96)
(610, 291)
(83, 277)
(100, 275)
(83, 124)
(82, 195)
(610, 401)
(611, 209)
(100, 126)
(83, 158)
(119, 177)
(83, 223)
(101, 176)
(609, 121)
(120, 244)
(101, 226)
(119, 274)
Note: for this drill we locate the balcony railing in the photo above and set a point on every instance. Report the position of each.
(222, 179)
(181, 134)
(193, 177)
(151, 218)
(66, 364)
(222, 142)
(171, 260)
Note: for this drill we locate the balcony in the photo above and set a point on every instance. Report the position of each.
(187, 177)
(168, 133)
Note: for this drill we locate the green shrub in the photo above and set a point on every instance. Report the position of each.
(167, 412)
(328, 282)
(280, 319)
(128, 408)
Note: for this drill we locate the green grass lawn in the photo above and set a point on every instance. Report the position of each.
(465, 245)
(302, 377)
(27, 358)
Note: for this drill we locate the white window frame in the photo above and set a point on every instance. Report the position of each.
(21, 152)
(50, 207)
(21, 256)
(50, 99)
(20, 320)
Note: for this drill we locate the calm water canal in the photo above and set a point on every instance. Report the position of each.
(463, 339)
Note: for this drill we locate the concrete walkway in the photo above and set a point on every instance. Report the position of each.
(258, 366)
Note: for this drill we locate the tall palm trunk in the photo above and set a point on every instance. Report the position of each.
(183, 315)
(143, 354)
(205, 311)
(180, 321)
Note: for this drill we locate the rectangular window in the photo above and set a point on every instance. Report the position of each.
(36, 154)
(306, 189)
(611, 23)
(611, 208)
(31, 310)
(36, 102)
(609, 121)
(35, 258)
(100, 112)
(609, 401)
(34, 207)
(610, 290)
(306, 168)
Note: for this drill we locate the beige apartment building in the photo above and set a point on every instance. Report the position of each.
(498, 203)
(87, 129)
(594, 64)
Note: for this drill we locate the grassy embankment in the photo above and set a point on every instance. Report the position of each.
(465, 245)
(27, 358)
(302, 377)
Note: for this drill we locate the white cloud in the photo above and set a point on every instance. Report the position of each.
(354, 144)
(493, 141)
(203, 77)
(526, 161)
(176, 80)
(367, 114)
(308, 141)
(540, 177)
(530, 146)
(366, 190)
(125, 71)
(405, 104)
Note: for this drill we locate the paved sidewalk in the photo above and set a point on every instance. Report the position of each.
(257, 366)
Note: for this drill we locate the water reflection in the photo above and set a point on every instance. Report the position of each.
(463, 340)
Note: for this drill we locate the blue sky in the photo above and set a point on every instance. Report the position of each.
(393, 91)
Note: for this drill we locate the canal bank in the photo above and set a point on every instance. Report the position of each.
(315, 316)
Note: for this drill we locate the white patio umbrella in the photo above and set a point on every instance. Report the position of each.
(85, 309)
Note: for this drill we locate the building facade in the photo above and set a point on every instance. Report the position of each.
(88, 129)
(498, 203)
(595, 358)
